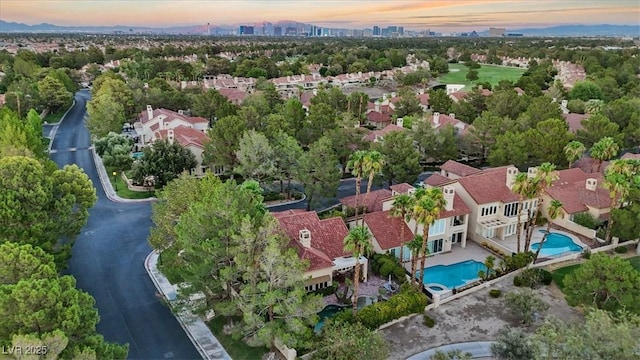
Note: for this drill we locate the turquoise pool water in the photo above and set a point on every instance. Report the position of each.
(555, 245)
(453, 275)
(327, 312)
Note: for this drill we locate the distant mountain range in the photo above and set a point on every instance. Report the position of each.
(563, 30)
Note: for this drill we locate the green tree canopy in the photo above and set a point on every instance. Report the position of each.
(164, 161)
(350, 341)
(401, 158)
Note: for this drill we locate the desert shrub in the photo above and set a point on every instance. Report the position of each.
(621, 249)
(517, 281)
(546, 277)
(428, 321)
(518, 261)
(273, 196)
(408, 301)
(495, 293)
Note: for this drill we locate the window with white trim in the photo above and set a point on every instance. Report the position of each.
(511, 209)
(489, 210)
(437, 228)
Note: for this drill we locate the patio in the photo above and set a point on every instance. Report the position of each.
(472, 251)
(510, 242)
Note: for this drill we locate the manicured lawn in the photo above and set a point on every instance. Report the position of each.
(559, 274)
(53, 118)
(123, 191)
(487, 73)
(237, 349)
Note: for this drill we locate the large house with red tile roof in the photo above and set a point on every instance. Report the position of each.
(371, 202)
(579, 192)
(440, 120)
(378, 135)
(320, 242)
(493, 205)
(455, 170)
(188, 131)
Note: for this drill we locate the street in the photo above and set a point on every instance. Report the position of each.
(108, 259)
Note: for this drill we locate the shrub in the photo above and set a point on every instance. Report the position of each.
(586, 253)
(408, 301)
(587, 220)
(386, 268)
(399, 273)
(273, 196)
(495, 293)
(428, 321)
(518, 261)
(546, 276)
(621, 249)
(517, 281)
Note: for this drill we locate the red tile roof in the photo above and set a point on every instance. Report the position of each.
(437, 180)
(401, 188)
(570, 189)
(185, 136)
(630, 156)
(378, 117)
(327, 235)
(443, 120)
(387, 129)
(459, 208)
(574, 121)
(170, 115)
(373, 202)
(489, 186)
(234, 95)
(387, 229)
(459, 169)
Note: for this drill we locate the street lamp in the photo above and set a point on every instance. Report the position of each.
(115, 180)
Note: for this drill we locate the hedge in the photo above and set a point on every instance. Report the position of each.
(408, 301)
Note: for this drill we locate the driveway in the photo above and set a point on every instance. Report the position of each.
(108, 259)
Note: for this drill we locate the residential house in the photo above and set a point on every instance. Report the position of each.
(235, 96)
(321, 243)
(455, 170)
(494, 206)
(371, 202)
(579, 192)
(440, 120)
(378, 135)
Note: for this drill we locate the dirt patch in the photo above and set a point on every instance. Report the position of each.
(475, 317)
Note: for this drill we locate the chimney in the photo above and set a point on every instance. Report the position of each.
(479, 87)
(532, 172)
(452, 115)
(149, 112)
(315, 92)
(170, 136)
(449, 194)
(564, 103)
(436, 118)
(591, 184)
(421, 92)
(305, 238)
(393, 94)
(400, 122)
(180, 112)
(511, 176)
(377, 106)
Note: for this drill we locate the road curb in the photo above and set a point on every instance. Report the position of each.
(197, 344)
(304, 197)
(106, 183)
(54, 129)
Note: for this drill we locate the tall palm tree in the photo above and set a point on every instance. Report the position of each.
(373, 163)
(401, 207)
(414, 246)
(555, 210)
(426, 210)
(356, 166)
(521, 187)
(546, 174)
(358, 242)
(618, 179)
(605, 149)
(574, 151)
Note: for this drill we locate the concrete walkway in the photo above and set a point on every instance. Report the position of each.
(478, 350)
(196, 329)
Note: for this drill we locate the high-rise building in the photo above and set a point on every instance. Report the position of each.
(376, 30)
(245, 30)
(277, 31)
(291, 31)
(496, 32)
(401, 30)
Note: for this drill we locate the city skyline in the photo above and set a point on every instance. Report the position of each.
(460, 15)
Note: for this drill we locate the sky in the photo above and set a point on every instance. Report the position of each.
(442, 15)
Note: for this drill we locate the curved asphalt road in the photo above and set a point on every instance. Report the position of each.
(108, 259)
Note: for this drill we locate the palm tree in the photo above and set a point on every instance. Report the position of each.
(521, 187)
(356, 165)
(574, 151)
(555, 210)
(546, 174)
(414, 246)
(358, 242)
(426, 210)
(605, 149)
(618, 179)
(373, 163)
(401, 207)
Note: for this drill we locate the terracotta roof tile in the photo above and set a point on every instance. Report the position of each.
(401, 188)
(437, 180)
(185, 136)
(327, 235)
(373, 202)
(459, 169)
(459, 208)
(489, 186)
(387, 129)
(571, 190)
(387, 229)
(574, 121)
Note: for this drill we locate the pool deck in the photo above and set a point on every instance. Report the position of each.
(472, 251)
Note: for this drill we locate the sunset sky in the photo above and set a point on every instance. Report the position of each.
(440, 15)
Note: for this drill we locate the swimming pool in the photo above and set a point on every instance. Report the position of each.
(556, 244)
(327, 312)
(442, 277)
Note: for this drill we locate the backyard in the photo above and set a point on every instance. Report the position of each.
(486, 73)
(559, 274)
(123, 191)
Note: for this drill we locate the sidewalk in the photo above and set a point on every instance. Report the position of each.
(106, 183)
(479, 349)
(196, 329)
